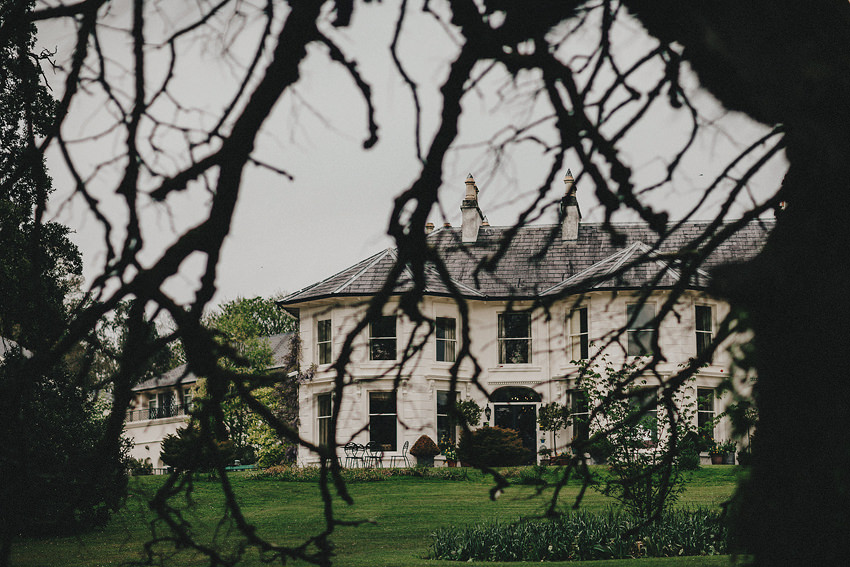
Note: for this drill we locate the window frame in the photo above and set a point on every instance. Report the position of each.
(703, 336)
(504, 340)
(376, 340)
(382, 417)
(448, 344)
(447, 421)
(324, 348)
(579, 408)
(704, 414)
(323, 422)
(578, 340)
(633, 331)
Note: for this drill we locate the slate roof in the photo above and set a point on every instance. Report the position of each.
(279, 344)
(538, 262)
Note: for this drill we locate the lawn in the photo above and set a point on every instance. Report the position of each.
(402, 513)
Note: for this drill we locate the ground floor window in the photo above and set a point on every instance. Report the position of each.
(445, 421)
(382, 419)
(324, 417)
(705, 412)
(579, 415)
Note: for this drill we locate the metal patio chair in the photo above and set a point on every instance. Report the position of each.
(402, 457)
(374, 454)
(353, 455)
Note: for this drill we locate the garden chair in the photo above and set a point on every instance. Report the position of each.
(374, 454)
(402, 457)
(353, 457)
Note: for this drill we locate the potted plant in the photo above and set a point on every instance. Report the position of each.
(728, 448)
(544, 453)
(716, 453)
(448, 450)
(425, 450)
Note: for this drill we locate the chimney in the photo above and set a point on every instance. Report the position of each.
(472, 215)
(429, 227)
(570, 213)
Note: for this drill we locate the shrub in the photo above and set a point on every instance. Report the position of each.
(189, 451)
(470, 412)
(585, 536)
(425, 447)
(492, 447)
(312, 474)
(138, 467)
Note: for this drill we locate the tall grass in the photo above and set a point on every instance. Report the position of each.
(582, 536)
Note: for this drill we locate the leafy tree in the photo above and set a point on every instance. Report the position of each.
(644, 470)
(243, 327)
(57, 476)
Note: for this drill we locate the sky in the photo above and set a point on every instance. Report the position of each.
(335, 210)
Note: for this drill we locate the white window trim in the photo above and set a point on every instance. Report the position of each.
(570, 334)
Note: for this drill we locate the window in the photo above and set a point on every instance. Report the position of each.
(703, 327)
(323, 402)
(640, 332)
(578, 349)
(382, 419)
(382, 342)
(187, 400)
(446, 340)
(445, 422)
(705, 411)
(579, 415)
(514, 338)
(323, 341)
(161, 405)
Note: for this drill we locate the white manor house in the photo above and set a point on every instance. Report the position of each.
(526, 357)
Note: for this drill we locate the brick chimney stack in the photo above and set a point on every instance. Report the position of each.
(471, 214)
(570, 213)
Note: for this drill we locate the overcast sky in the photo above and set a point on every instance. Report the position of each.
(288, 234)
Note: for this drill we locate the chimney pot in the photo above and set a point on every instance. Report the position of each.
(470, 213)
(447, 224)
(570, 212)
(429, 227)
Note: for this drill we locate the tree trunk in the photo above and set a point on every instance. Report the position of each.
(795, 507)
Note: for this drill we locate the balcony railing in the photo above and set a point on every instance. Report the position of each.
(146, 414)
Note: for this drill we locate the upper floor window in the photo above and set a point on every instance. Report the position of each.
(514, 338)
(641, 333)
(382, 339)
(704, 329)
(577, 325)
(324, 413)
(324, 341)
(446, 339)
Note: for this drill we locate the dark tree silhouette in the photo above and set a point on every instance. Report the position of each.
(782, 63)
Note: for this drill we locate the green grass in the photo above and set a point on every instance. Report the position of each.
(403, 512)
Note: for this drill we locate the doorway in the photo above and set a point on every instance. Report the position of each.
(515, 408)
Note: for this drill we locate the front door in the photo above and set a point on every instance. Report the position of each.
(522, 418)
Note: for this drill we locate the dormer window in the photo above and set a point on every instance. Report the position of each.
(382, 338)
(514, 338)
